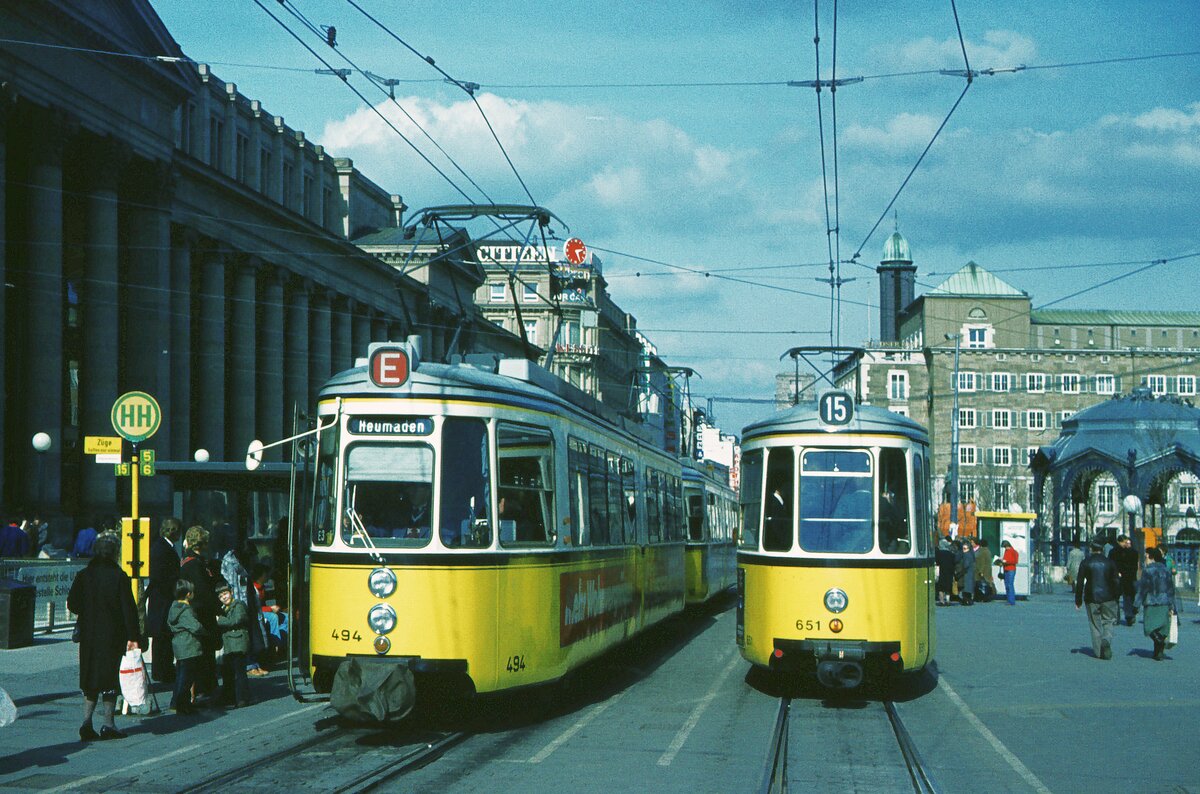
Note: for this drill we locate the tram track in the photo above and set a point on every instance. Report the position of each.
(775, 768)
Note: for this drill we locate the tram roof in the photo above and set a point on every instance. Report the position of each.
(518, 382)
(803, 418)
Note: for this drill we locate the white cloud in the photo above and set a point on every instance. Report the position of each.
(903, 131)
(999, 49)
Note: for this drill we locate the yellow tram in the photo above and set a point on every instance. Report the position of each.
(712, 515)
(835, 561)
(487, 523)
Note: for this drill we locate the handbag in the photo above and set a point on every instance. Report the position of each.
(132, 674)
(1173, 631)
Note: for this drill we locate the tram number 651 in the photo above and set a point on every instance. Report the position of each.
(836, 408)
(516, 663)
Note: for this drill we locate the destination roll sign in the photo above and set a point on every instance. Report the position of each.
(390, 425)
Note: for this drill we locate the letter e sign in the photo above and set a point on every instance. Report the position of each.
(388, 367)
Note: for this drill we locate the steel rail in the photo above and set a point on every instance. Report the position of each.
(921, 780)
(774, 777)
(405, 763)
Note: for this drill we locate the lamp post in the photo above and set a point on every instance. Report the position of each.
(1132, 504)
(41, 445)
(957, 338)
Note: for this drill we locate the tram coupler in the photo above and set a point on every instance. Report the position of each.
(840, 664)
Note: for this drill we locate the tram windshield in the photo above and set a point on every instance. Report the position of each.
(836, 510)
(389, 490)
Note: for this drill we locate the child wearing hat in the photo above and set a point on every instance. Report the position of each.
(233, 619)
(186, 634)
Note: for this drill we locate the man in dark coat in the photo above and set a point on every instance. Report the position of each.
(160, 592)
(1097, 584)
(102, 597)
(1126, 558)
(195, 568)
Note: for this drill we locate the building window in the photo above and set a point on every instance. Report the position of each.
(497, 292)
(1187, 384)
(239, 168)
(1001, 418)
(1002, 456)
(976, 338)
(1002, 492)
(287, 193)
(1157, 384)
(966, 491)
(1070, 384)
(966, 418)
(1001, 381)
(1035, 383)
(1063, 416)
(1106, 498)
(1106, 384)
(1035, 419)
(902, 410)
(307, 196)
(531, 331)
(529, 293)
(966, 455)
(966, 381)
(1187, 496)
(898, 385)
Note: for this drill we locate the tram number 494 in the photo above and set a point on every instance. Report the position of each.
(345, 635)
(515, 663)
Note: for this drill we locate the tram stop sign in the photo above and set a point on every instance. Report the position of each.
(136, 416)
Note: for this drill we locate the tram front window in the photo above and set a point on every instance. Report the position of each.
(893, 503)
(388, 496)
(836, 512)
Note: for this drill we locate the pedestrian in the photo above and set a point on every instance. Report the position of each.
(1008, 565)
(1074, 559)
(944, 557)
(1156, 594)
(187, 641)
(235, 566)
(14, 542)
(160, 594)
(985, 585)
(102, 597)
(1099, 585)
(1126, 559)
(274, 618)
(966, 579)
(84, 539)
(195, 568)
(234, 622)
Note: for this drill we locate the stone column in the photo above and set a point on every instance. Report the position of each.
(240, 398)
(7, 106)
(100, 316)
(209, 358)
(42, 392)
(272, 418)
(182, 243)
(296, 351)
(379, 327)
(360, 333)
(340, 319)
(318, 343)
(146, 288)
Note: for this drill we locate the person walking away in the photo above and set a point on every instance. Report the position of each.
(1126, 558)
(234, 622)
(944, 557)
(1156, 594)
(1074, 560)
(14, 542)
(187, 643)
(1098, 585)
(1008, 565)
(966, 583)
(985, 585)
(102, 597)
(160, 594)
(195, 569)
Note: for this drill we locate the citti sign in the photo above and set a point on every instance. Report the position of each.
(522, 254)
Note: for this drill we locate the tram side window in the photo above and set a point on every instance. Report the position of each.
(389, 490)
(695, 513)
(673, 509)
(780, 513)
(835, 501)
(598, 496)
(629, 484)
(894, 536)
(921, 507)
(525, 479)
(465, 484)
(653, 506)
(751, 498)
(577, 484)
(324, 507)
(711, 517)
(616, 500)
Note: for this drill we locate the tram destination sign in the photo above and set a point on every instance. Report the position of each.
(390, 425)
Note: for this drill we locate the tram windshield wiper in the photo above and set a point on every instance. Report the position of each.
(356, 526)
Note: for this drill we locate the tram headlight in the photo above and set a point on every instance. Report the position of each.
(382, 582)
(382, 619)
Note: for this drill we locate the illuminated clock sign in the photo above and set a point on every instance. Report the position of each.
(575, 251)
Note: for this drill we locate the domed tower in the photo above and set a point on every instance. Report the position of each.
(897, 275)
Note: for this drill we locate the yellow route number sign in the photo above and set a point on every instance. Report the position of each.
(136, 416)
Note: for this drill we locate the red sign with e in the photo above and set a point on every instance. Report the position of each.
(388, 367)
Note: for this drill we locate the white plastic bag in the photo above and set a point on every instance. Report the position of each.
(133, 678)
(8, 709)
(1173, 633)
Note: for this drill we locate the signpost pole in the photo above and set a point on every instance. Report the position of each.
(133, 474)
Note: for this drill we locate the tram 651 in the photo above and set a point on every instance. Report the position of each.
(835, 561)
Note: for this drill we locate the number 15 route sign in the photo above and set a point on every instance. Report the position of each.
(136, 416)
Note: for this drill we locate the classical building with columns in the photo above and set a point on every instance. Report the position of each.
(163, 233)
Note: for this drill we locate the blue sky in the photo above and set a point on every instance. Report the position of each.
(1036, 171)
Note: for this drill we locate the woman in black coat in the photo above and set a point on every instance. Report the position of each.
(102, 597)
(195, 568)
(944, 557)
(160, 593)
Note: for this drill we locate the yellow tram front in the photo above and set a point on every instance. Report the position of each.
(835, 561)
(468, 527)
